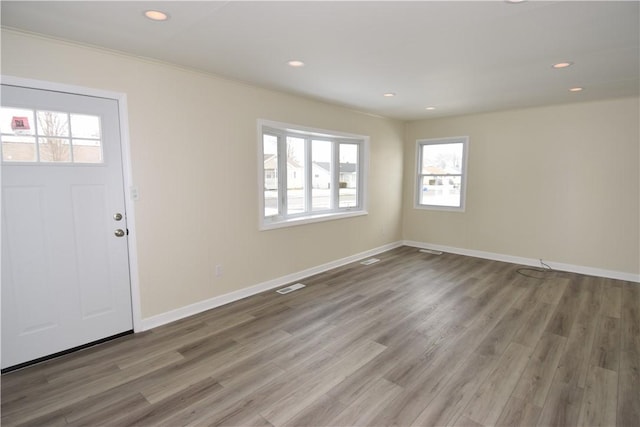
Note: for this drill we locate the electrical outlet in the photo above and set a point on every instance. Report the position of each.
(219, 270)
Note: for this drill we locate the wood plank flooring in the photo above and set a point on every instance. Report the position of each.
(413, 340)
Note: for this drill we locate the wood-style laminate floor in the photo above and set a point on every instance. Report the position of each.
(415, 339)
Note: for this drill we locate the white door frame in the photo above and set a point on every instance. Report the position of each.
(125, 147)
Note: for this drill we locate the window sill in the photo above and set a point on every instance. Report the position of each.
(310, 219)
(439, 208)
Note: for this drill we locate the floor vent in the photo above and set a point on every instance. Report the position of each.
(430, 251)
(369, 261)
(290, 288)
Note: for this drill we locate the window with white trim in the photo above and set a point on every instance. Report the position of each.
(441, 173)
(309, 175)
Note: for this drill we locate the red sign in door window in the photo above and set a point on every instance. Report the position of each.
(20, 123)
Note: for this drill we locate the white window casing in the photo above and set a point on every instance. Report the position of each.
(309, 189)
(441, 173)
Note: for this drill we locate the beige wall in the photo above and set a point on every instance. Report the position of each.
(559, 183)
(193, 147)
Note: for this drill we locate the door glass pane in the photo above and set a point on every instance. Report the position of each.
(18, 148)
(321, 175)
(87, 138)
(439, 190)
(270, 151)
(87, 151)
(348, 179)
(85, 126)
(54, 150)
(295, 175)
(52, 123)
(17, 126)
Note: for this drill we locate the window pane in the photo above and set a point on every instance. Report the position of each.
(87, 151)
(18, 127)
(295, 175)
(321, 175)
(17, 121)
(18, 148)
(54, 150)
(52, 123)
(270, 150)
(348, 178)
(442, 158)
(440, 190)
(86, 127)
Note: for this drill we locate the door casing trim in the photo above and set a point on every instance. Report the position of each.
(125, 147)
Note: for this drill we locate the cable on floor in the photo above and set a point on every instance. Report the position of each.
(544, 269)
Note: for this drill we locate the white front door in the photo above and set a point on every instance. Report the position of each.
(65, 270)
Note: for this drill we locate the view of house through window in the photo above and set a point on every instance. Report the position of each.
(49, 136)
(322, 174)
(296, 193)
(321, 155)
(348, 188)
(270, 151)
(441, 173)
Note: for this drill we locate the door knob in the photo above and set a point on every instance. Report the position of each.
(117, 216)
(119, 232)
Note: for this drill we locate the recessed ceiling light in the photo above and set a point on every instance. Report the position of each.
(389, 94)
(515, 1)
(296, 63)
(562, 64)
(430, 108)
(156, 15)
(576, 89)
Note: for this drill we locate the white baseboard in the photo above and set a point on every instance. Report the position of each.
(590, 271)
(199, 307)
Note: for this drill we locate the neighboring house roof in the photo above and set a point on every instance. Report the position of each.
(344, 167)
(294, 163)
(271, 162)
(323, 165)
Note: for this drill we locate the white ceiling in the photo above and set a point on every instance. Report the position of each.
(461, 57)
